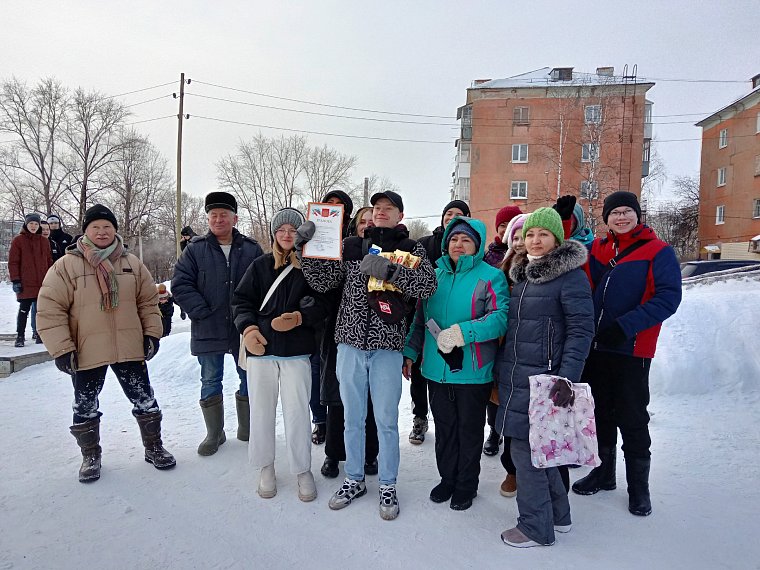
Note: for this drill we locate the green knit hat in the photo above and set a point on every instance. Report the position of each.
(545, 218)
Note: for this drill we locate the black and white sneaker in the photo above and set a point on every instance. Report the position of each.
(419, 428)
(388, 502)
(350, 490)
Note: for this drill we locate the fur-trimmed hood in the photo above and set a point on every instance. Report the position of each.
(566, 257)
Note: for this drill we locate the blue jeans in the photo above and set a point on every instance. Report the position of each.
(359, 373)
(34, 316)
(212, 372)
(318, 411)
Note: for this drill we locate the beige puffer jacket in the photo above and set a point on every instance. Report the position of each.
(69, 315)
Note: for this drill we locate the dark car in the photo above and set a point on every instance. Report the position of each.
(694, 268)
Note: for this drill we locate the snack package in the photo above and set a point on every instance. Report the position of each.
(402, 258)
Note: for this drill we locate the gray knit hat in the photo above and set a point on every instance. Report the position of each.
(286, 216)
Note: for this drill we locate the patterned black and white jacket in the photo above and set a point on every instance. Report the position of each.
(358, 325)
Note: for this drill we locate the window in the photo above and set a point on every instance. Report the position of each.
(723, 138)
(720, 213)
(519, 190)
(519, 153)
(722, 176)
(593, 114)
(756, 208)
(521, 116)
(464, 189)
(464, 152)
(590, 152)
(646, 150)
(589, 190)
(465, 113)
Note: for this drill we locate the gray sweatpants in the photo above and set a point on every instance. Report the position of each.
(541, 497)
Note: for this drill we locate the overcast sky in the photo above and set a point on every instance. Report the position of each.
(414, 57)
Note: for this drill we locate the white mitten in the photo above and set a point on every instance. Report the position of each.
(449, 338)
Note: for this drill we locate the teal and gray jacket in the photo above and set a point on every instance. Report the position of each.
(473, 295)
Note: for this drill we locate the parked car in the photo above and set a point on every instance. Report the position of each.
(694, 268)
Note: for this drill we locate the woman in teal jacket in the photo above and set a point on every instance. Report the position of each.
(456, 331)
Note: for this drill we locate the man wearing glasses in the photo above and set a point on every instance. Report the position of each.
(636, 282)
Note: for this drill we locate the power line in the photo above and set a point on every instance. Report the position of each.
(151, 120)
(318, 132)
(143, 89)
(148, 100)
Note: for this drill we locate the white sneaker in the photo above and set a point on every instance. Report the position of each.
(267, 482)
(307, 489)
(350, 490)
(515, 537)
(388, 502)
(563, 528)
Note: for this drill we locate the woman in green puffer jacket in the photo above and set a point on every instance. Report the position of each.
(469, 308)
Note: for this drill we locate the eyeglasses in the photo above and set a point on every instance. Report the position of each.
(621, 213)
(284, 232)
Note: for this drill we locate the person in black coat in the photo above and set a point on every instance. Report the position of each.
(277, 320)
(433, 245)
(166, 306)
(61, 238)
(205, 277)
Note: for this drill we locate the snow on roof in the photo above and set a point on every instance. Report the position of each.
(543, 77)
(732, 107)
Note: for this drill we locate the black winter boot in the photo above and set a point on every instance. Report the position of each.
(213, 415)
(330, 468)
(601, 478)
(491, 446)
(150, 430)
(87, 435)
(19, 341)
(637, 475)
(243, 407)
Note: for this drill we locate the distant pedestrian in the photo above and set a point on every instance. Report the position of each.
(60, 237)
(29, 259)
(166, 306)
(186, 234)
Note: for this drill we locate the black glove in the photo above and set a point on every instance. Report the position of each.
(565, 206)
(562, 393)
(377, 266)
(613, 335)
(67, 363)
(304, 233)
(150, 347)
(17, 287)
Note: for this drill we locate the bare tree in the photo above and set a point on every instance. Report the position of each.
(677, 222)
(36, 117)
(417, 228)
(326, 169)
(89, 133)
(192, 215)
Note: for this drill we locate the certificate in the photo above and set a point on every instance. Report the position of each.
(327, 242)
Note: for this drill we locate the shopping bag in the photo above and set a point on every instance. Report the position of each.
(561, 436)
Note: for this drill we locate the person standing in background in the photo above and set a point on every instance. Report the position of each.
(60, 237)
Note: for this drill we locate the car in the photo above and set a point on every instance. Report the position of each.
(694, 268)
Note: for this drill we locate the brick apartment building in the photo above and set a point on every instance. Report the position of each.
(729, 180)
(529, 138)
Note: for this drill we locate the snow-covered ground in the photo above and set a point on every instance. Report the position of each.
(206, 514)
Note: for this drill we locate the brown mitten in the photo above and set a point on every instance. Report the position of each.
(254, 340)
(286, 321)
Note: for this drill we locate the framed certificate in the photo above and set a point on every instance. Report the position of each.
(327, 242)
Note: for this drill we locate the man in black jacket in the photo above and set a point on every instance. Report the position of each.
(205, 277)
(61, 239)
(370, 333)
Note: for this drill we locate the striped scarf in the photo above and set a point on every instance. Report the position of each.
(102, 260)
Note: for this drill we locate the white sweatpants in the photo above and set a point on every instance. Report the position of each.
(292, 379)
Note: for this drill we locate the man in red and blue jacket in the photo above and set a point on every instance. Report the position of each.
(636, 283)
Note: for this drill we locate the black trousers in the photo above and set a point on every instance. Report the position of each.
(418, 391)
(335, 445)
(459, 413)
(620, 386)
(24, 307)
(133, 377)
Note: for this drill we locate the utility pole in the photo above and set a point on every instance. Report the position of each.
(366, 191)
(180, 116)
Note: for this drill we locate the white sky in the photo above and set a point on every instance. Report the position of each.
(409, 57)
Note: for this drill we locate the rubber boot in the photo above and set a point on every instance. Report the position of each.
(637, 475)
(213, 415)
(87, 435)
(243, 416)
(150, 430)
(601, 478)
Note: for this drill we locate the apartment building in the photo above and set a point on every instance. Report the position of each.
(729, 180)
(529, 138)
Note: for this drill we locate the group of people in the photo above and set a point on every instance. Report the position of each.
(467, 321)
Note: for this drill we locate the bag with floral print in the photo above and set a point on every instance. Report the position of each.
(561, 436)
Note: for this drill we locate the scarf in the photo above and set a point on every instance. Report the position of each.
(102, 260)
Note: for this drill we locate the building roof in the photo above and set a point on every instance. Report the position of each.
(542, 78)
(746, 100)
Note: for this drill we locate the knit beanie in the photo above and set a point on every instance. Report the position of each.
(461, 204)
(618, 199)
(546, 218)
(286, 216)
(345, 199)
(161, 288)
(506, 214)
(52, 218)
(32, 218)
(461, 226)
(99, 212)
(513, 226)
